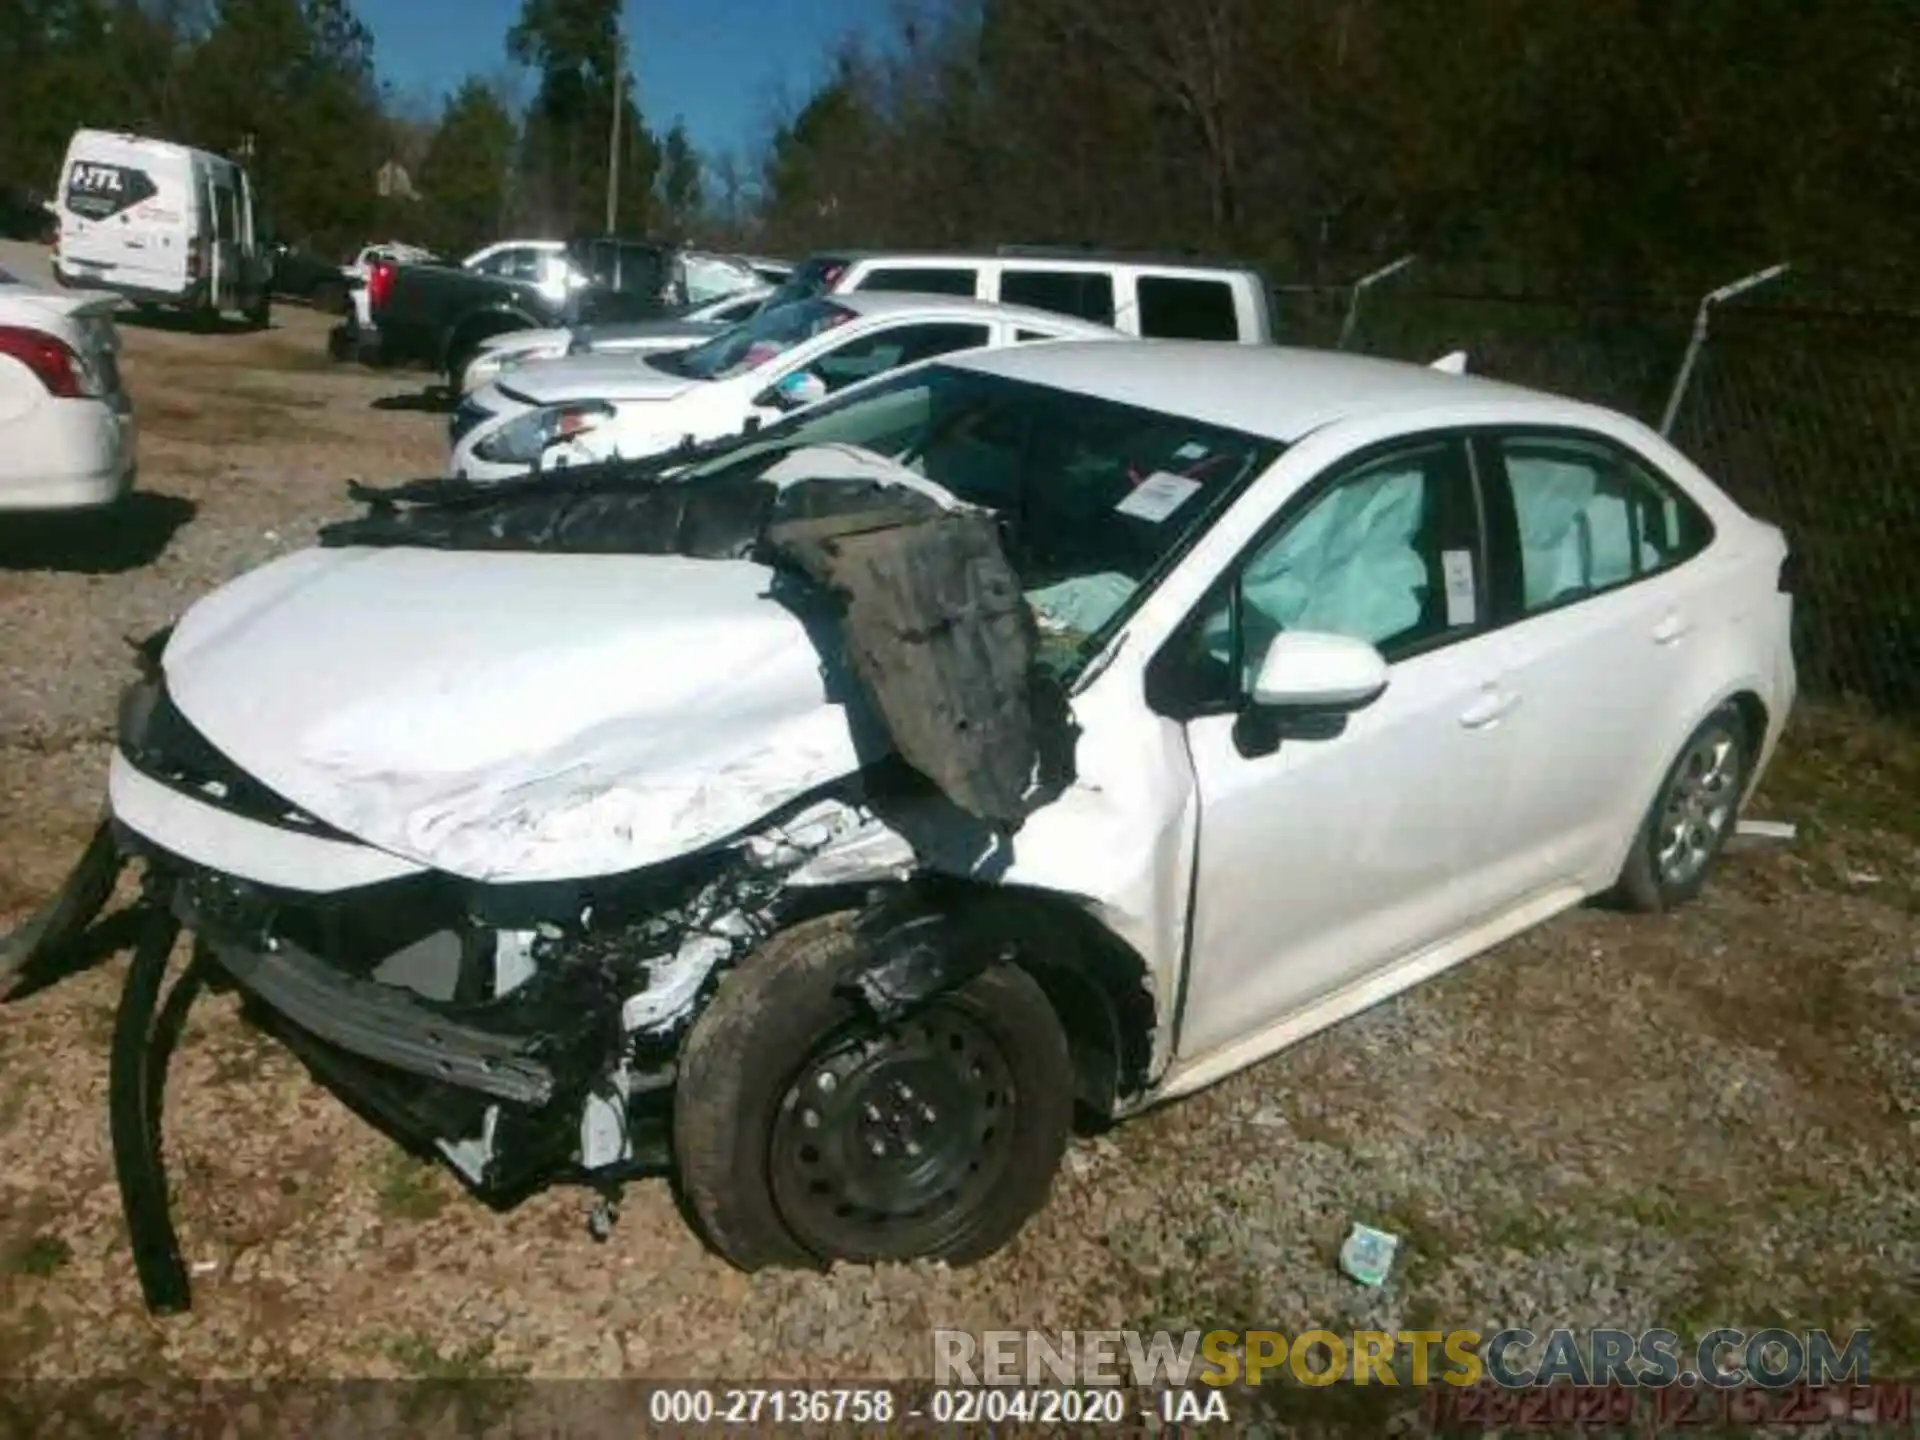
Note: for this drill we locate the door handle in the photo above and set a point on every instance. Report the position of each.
(1492, 704)
(1671, 628)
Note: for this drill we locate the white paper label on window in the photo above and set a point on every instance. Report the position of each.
(1192, 450)
(1158, 496)
(1457, 565)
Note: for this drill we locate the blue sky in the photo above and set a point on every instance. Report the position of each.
(721, 64)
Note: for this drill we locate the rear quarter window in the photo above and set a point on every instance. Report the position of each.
(1087, 294)
(920, 281)
(1175, 308)
(96, 191)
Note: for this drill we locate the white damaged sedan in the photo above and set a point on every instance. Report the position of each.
(598, 407)
(1049, 726)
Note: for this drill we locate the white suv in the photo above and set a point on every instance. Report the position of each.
(1149, 297)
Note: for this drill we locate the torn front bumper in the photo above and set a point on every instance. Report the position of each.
(509, 1084)
(366, 1018)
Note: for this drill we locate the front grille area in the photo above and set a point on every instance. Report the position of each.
(165, 747)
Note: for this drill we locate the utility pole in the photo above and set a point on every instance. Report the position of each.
(613, 137)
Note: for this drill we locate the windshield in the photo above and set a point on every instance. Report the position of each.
(1096, 499)
(753, 342)
(814, 278)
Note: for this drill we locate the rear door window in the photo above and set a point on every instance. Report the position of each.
(1085, 293)
(225, 225)
(918, 280)
(96, 191)
(1176, 308)
(1589, 517)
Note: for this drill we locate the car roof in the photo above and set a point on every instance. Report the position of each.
(151, 147)
(890, 302)
(1028, 257)
(1276, 391)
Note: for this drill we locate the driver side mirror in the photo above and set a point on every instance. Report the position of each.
(799, 389)
(1308, 683)
(1311, 670)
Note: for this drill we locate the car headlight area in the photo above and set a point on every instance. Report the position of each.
(521, 440)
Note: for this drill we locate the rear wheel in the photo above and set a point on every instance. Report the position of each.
(260, 313)
(807, 1131)
(1692, 817)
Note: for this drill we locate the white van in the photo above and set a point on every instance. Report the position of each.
(1153, 297)
(161, 224)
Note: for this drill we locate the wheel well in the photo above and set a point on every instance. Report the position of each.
(1753, 714)
(1095, 981)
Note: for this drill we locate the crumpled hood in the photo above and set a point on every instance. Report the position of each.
(514, 716)
(595, 377)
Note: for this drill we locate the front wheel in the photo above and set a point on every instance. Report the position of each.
(807, 1131)
(1692, 817)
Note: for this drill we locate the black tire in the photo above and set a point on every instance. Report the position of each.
(1691, 819)
(260, 313)
(991, 1053)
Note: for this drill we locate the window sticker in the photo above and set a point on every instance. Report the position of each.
(1192, 450)
(1157, 496)
(1457, 566)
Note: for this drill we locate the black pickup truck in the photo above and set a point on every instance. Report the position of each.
(437, 315)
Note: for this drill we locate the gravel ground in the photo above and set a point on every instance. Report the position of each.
(1707, 1118)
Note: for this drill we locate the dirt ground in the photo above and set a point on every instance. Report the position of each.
(1702, 1119)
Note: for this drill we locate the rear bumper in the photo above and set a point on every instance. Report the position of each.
(192, 295)
(75, 455)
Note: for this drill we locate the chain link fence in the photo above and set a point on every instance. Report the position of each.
(1807, 413)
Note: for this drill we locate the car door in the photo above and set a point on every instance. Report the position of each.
(226, 242)
(1330, 847)
(1590, 548)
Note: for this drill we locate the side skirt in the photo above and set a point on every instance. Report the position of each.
(1187, 1076)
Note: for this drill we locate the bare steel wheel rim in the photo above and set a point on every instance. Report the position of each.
(1700, 806)
(888, 1140)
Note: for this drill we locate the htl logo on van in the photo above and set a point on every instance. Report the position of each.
(99, 178)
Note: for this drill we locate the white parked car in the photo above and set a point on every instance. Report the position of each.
(1049, 724)
(602, 407)
(66, 422)
(696, 323)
